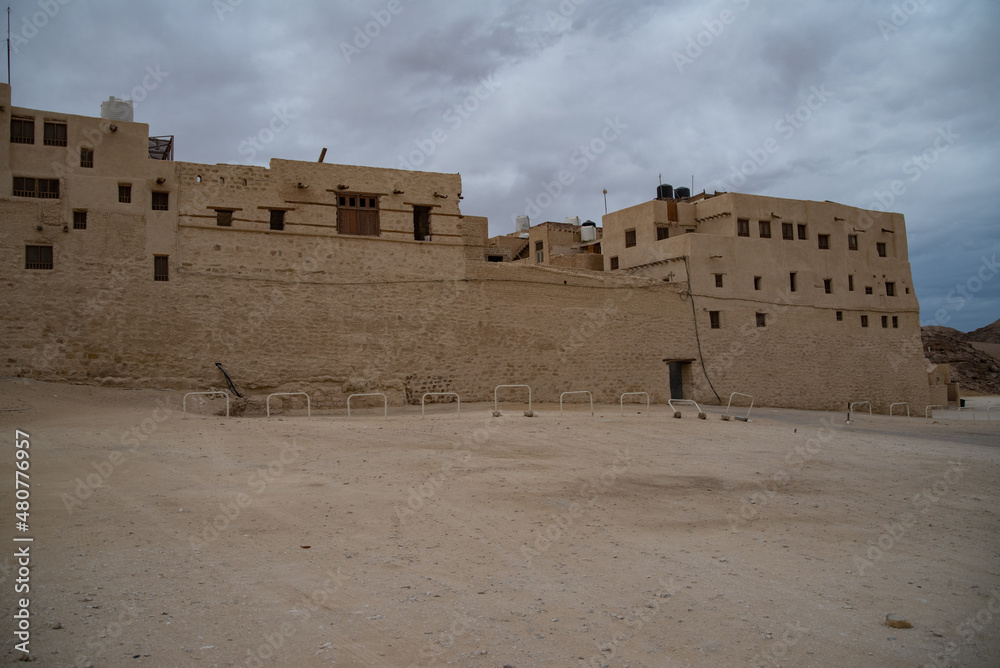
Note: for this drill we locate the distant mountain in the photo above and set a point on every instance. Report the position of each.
(972, 364)
(987, 334)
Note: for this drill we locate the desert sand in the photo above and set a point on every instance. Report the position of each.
(165, 539)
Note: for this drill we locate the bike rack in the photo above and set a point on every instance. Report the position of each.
(850, 409)
(385, 402)
(213, 394)
(739, 394)
(928, 409)
(577, 392)
(500, 387)
(900, 403)
(290, 394)
(441, 394)
(621, 400)
(685, 401)
(968, 408)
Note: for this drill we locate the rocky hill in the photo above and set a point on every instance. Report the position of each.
(975, 369)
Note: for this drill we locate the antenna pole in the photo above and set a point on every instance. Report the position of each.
(8, 45)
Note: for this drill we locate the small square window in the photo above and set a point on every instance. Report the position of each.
(762, 320)
(840, 316)
(662, 233)
(787, 231)
(864, 321)
(224, 217)
(38, 257)
(895, 322)
(629, 238)
(742, 227)
(792, 283)
(161, 201)
(885, 322)
(764, 228)
(48, 188)
(756, 282)
(869, 290)
(86, 157)
(124, 194)
(79, 220)
(718, 280)
(713, 317)
(880, 247)
(161, 268)
(824, 241)
(852, 242)
(277, 219)
(828, 285)
(890, 289)
(539, 245)
(802, 232)
(55, 134)
(850, 282)
(22, 131)
(614, 263)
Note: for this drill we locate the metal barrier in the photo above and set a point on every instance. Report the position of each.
(931, 412)
(290, 394)
(850, 409)
(968, 408)
(385, 402)
(220, 394)
(739, 394)
(685, 401)
(440, 394)
(621, 400)
(499, 387)
(577, 392)
(900, 403)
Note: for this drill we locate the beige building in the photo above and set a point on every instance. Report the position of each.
(124, 268)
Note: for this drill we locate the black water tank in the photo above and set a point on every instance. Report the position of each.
(664, 191)
(682, 193)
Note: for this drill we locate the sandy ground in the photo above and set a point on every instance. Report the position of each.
(169, 540)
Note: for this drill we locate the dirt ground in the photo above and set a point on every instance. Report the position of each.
(161, 539)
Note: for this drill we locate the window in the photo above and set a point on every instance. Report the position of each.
(718, 280)
(421, 223)
(86, 157)
(787, 231)
(864, 321)
(79, 220)
(224, 217)
(840, 316)
(869, 290)
(890, 289)
(850, 282)
(762, 320)
(358, 214)
(895, 322)
(662, 233)
(277, 219)
(880, 247)
(713, 318)
(55, 134)
(629, 238)
(38, 257)
(28, 187)
(161, 201)
(743, 227)
(539, 252)
(824, 241)
(22, 131)
(828, 286)
(756, 282)
(161, 268)
(852, 242)
(802, 232)
(764, 229)
(614, 263)
(124, 193)
(885, 322)
(792, 282)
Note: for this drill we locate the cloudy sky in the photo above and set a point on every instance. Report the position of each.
(825, 100)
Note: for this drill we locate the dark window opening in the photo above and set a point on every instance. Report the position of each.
(161, 268)
(718, 280)
(880, 247)
(869, 290)
(742, 227)
(224, 217)
(890, 289)
(539, 252)
(277, 219)
(762, 320)
(852, 242)
(38, 257)
(358, 215)
(850, 282)
(86, 157)
(422, 223)
(55, 134)
(629, 238)
(840, 316)
(885, 322)
(764, 228)
(864, 321)
(22, 131)
(828, 285)
(124, 194)
(787, 231)
(756, 282)
(161, 201)
(79, 220)
(494, 258)
(895, 322)
(792, 283)
(824, 241)
(802, 232)
(662, 233)
(614, 263)
(28, 187)
(713, 318)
